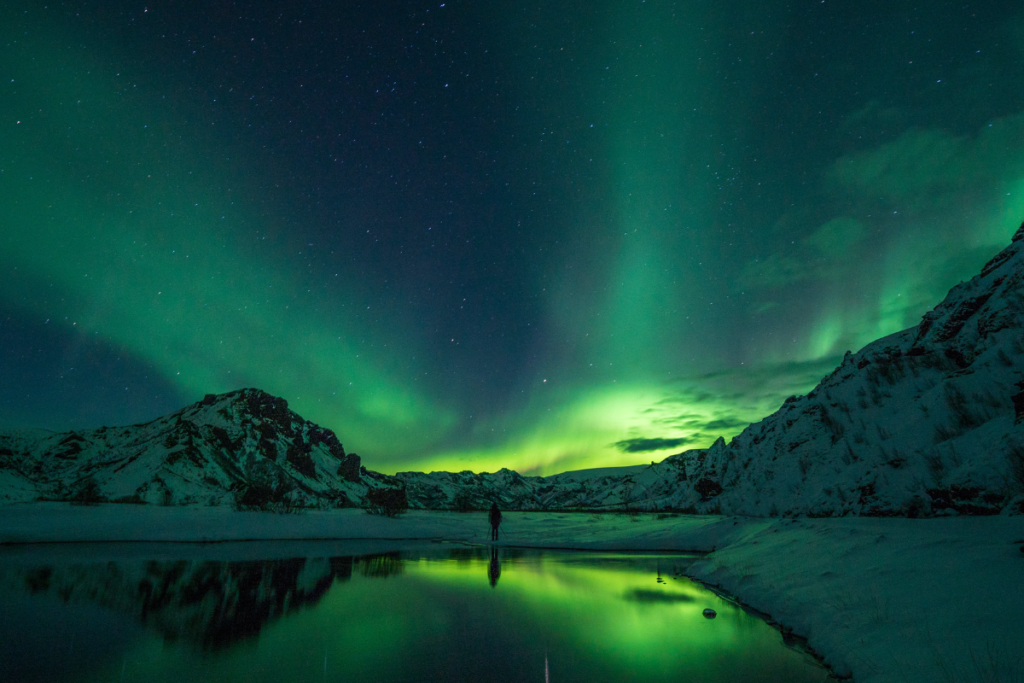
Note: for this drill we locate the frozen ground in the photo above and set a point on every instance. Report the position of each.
(899, 600)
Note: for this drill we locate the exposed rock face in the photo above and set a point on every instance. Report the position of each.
(349, 467)
(243, 447)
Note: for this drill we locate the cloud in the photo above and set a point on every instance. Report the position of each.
(837, 237)
(644, 445)
(723, 424)
(777, 270)
(823, 255)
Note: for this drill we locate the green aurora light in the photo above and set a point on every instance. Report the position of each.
(693, 285)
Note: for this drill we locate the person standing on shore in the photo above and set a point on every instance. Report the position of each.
(495, 518)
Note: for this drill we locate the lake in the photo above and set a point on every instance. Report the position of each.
(343, 612)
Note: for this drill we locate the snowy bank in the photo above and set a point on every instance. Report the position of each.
(897, 600)
(888, 599)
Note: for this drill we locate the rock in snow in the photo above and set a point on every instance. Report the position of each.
(928, 421)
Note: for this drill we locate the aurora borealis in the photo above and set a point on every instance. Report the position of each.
(482, 235)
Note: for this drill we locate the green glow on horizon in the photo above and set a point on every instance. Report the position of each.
(580, 429)
(575, 433)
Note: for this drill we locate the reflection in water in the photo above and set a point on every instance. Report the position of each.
(381, 566)
(208, 604)
(643, 595)
(558, 616)
(494, 568)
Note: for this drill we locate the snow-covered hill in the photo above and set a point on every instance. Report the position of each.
(922, 422)
(243, 448)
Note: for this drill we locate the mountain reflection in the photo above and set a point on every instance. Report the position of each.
(209, 604)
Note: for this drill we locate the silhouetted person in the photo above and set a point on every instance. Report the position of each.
(495, 518)
(494, 571)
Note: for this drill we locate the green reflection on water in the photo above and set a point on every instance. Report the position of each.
(457, 615)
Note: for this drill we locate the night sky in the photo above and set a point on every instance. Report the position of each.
(468, 235)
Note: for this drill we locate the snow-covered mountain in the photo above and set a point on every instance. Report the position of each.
(926, 421)
(242, 448)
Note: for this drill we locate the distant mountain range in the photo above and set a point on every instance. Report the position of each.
(924, 422)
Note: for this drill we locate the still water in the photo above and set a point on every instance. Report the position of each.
(444, 613)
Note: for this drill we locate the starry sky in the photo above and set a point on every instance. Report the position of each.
(473, 235)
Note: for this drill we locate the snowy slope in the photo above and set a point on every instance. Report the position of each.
(245, 446)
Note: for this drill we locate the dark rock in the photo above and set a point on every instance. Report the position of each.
(350, 468)
(707, 488)
(337, 450)
(224, 440)
(298, 455)
(263, 405)
(957, 357)
(967, 500)
(68, 449)
(320, 435)
(867, 492)
(998, 260)
(268, 449)
(963, 312)
(1018, 403)
(709, 613)
(927, 320)
(387, 501)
